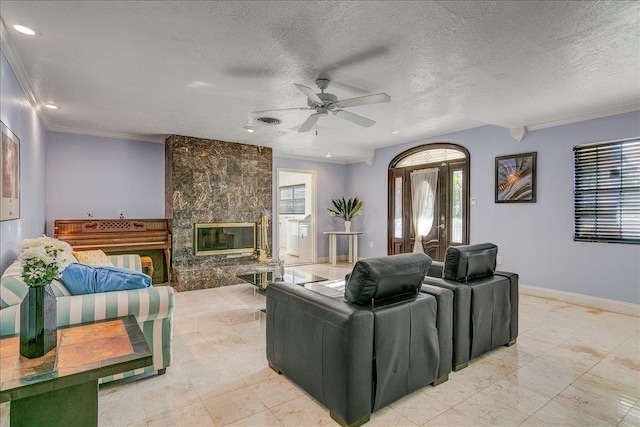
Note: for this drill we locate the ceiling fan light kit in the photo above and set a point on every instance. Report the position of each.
(325, 103)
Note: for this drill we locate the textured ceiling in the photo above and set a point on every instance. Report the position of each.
(148, 69)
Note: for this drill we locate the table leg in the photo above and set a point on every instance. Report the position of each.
(76, 405)
(350, 242)
(355, 248)
(167, 265)
(332, 249)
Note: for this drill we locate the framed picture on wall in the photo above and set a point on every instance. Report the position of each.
(9, 175)
(516, 178)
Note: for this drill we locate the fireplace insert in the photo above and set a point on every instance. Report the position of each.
(224, 238)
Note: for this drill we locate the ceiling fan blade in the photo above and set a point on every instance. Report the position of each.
(363, 100)
(308, 124)
(310, 93)
(354, 118)
(283, 109)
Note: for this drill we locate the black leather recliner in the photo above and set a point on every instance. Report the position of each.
(357, 356)
(485, 301)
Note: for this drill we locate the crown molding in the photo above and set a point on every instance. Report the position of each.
(115, 135)
(583, 117)
(364, 155)
(18, 70)
(286, 155)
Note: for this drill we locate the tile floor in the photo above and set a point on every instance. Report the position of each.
(572, 365)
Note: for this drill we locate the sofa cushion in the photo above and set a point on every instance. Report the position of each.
(378, 279)
(94, 257)
(86, 279)
(470, 262)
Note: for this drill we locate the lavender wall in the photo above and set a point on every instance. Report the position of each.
(104, 176)
(19, 116)
(332, 183)
(535, 240)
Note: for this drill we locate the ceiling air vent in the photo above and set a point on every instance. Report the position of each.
(269, 120)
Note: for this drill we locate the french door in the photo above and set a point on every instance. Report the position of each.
(450, 225)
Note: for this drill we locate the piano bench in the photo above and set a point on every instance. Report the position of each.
(147, 263)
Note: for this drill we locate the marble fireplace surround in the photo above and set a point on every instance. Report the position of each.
(211, 181)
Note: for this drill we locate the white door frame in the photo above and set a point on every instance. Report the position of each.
(314, 213)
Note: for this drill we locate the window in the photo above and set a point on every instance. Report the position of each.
(607, 192)
(397, 210)
(292, 199)
(432, 155)
(456, 206)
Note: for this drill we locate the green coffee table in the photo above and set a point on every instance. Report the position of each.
(61, 387)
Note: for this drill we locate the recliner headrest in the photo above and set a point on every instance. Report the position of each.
(465, 263)
(386, 277)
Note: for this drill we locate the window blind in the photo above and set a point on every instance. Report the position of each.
(607, 192)
(292, 199)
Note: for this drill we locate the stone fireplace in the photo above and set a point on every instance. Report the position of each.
(213, 182)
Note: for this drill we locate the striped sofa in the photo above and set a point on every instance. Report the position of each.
(152, 307)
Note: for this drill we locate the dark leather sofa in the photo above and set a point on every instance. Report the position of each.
(383, 341)
(485, 301)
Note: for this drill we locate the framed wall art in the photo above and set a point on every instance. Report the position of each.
(516, 178)
(9, 175)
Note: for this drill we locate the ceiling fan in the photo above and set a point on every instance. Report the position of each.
(325, 103)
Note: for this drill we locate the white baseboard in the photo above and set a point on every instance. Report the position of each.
(621, 307)
(339, 258)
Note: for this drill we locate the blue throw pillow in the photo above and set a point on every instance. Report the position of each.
(90, 279)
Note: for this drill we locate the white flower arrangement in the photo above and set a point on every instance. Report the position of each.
(43, 260)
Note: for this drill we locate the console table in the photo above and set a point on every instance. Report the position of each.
(353, 245)
(42, 391)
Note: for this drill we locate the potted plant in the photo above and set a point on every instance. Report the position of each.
(346, 209)
(42, 261)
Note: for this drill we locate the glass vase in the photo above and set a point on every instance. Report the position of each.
(38, 322)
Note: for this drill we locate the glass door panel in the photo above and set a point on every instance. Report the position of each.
(398, 208)
(456, 207)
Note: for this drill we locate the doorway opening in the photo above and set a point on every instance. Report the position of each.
(429, 200)
(296, 216)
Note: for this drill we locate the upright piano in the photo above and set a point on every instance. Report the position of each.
(116, 235)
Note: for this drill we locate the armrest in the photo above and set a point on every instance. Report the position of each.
(324, 345)
(145, 304)
(436, 269)
(444, 323)
(461, 317)
(10, 320)
(513, 292)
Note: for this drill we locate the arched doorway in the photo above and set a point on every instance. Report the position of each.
(438, 204)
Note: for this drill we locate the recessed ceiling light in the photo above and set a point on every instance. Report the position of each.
(395, 132)
(328, 155)
(249, 129)
(51, 106)
(24, 30)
